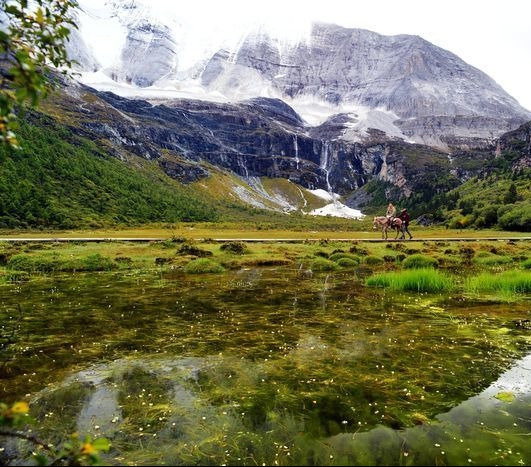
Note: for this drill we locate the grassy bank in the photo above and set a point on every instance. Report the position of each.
(318, 229)
(177, 247)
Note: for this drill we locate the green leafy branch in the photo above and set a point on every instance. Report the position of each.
(33, 37)
(75, 451)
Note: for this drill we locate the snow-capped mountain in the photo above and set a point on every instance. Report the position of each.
(402, 85)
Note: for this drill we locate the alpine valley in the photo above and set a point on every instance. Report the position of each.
(338, 122)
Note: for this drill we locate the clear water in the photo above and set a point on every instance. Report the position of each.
(270, 367)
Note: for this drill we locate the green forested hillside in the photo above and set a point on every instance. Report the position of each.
(501, 199)
(58, 180)
(496, 195)
(499, 196)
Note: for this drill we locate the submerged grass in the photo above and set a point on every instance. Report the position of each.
(311, 366)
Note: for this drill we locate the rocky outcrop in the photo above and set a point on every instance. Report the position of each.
(435, 96)
(148, 55)
(401, 85)
(517, 142)
(257, 138)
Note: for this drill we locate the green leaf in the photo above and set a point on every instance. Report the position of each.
(505, 396)
(12, 10)
(41, 459)
(39, 16)
(102, 444)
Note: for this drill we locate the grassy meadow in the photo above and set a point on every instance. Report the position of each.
(197, 248)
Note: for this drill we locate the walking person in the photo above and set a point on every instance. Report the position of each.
(405, 217)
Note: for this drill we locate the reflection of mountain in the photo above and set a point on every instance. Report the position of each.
(482, 430)
(516, 380)
(189, 358)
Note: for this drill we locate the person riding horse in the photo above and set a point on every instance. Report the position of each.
(390, 214)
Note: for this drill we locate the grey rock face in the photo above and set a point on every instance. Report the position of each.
(429, 94)
(148, 55)
(403, 74)
(256, 138)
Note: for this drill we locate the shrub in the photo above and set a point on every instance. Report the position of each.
(188, 249)
(4, 259)
(323, 264)
(348, 262)
(340, 255)
(372, 260)
(419, 261)
(203, 266)
(460, 222)
(237, 248)
(517, 219)
(20, 262)
(23, 262)
(359, 250)
(486, 217)
(96, 262)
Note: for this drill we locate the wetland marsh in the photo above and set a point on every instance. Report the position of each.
(285, 356)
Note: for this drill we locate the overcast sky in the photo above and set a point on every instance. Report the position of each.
(492, 35)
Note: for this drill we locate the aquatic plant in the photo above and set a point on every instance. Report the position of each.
(203, 266)
(414, 280)
(505, 283)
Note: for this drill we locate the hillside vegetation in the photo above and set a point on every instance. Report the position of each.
(60, 180)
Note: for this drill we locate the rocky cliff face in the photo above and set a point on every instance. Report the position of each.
(398, 107)
(401, 85)
(256, 138)
(519, 143)
(404, 74)
(434, 96)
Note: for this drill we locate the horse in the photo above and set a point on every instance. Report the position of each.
(382, 223)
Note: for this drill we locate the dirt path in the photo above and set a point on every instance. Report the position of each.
(252, 240)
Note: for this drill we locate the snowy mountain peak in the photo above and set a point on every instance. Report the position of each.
(400, 84)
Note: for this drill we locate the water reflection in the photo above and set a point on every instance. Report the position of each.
(378, 378)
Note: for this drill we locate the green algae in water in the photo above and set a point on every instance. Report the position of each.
(263, 366)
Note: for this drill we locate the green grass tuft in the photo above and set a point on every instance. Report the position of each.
(419, 261)
(203, 266)
(323, 264)
(507, 282)
(414, 280)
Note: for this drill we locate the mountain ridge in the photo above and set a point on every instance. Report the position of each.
(262, 153)
(402, 84)
(255, 154)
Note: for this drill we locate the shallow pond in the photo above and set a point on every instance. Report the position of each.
(269, 366)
